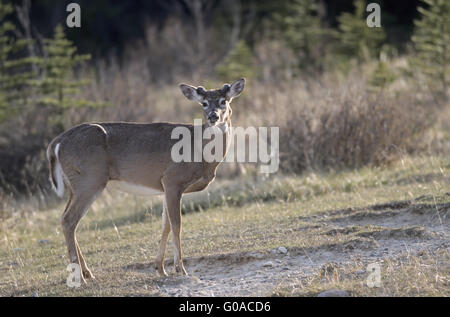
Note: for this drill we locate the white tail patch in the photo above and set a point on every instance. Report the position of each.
(58, 174)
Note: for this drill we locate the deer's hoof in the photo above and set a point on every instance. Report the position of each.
(162, 272)
(87, 274)
(179, 269)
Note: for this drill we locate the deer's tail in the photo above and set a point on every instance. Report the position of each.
(56, 172)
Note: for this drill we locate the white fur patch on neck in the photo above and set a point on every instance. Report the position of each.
(223, 127)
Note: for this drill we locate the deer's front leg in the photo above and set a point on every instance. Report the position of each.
(162, 246)
(173, 201)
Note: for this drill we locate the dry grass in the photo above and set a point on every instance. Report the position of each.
(121, 231)
(426, 274)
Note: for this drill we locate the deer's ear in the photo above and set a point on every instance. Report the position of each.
(192, 93)
(236, 88)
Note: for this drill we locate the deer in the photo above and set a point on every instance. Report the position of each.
(136, 158)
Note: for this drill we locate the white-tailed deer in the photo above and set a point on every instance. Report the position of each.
(137, 158)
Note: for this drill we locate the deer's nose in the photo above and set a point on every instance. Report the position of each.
(213, 117)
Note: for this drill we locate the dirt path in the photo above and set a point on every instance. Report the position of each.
(379, 231)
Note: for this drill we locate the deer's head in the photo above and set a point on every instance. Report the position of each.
(215, 102)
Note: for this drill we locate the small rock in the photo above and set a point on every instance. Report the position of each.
(268, 264)
(360, 272)
(333, 293)
(44, 241)
(282, 250)
(204, 293)
(35, 294)
(17, 249)
(256, 255)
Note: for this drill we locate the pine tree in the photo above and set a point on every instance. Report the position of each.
(302, 29)
(431, 41)
(59, 87)
(16, 76)
(356, 38)
(238, 63)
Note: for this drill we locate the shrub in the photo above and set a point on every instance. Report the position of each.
(350, 128)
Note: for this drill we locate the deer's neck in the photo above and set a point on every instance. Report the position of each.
(225, 130)
(227, 136)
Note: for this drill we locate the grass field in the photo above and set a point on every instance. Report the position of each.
(330, 227)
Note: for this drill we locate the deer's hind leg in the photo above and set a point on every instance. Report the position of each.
(82, 196)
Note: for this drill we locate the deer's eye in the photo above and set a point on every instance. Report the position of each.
(223, 102)
(204, 104)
